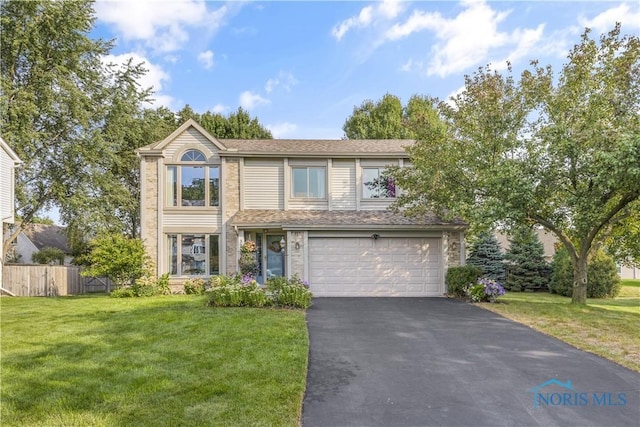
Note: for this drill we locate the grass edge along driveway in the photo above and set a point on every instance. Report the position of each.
(606, 327)
(99, 361)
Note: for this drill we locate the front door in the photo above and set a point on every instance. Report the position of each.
(275, 256)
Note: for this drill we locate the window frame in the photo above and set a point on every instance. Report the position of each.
(364, 190)
(175, 248)
(308, 168)
(174, 185)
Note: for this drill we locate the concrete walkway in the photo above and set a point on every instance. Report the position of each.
(440, 362)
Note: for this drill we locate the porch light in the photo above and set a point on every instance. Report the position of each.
(282, 244)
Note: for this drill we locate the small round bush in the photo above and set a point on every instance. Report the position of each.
(602, 275)
(458, 279)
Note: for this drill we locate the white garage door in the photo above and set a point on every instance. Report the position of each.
(384, 267)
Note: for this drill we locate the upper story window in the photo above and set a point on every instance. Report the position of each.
(308, 182)
(193, 183)
(377, 186)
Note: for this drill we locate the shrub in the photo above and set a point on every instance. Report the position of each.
(527, 270)
(194, 286)
(236, 291)
(486, 290)
(243, 291)
(48, 255)
(458, 279)
(486, 254)
(292, 292)
(602, 275)
(123, 292)
(121, 259)
(146, 286)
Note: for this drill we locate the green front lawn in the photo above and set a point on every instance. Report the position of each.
(607, 327)
(98, 361)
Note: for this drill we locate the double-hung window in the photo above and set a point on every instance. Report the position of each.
(375, 185)
(192, 182)
(308, 182)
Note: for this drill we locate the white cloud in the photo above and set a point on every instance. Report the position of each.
(249, 100)
(154, 77)
(163, 26)
(281, 130)
(468, 39)
(285, 80)
(385, 10)
(605, 21)
(206, 59)
(219, 108)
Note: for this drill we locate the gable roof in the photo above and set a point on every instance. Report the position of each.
(156, 147)
(321, 219)
(317, 147)
(12, 155)
(45, 235)
(394, 148)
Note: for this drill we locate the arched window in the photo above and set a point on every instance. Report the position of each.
(192, 156)
(194, 182)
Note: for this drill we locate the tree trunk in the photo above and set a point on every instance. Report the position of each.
(579, 295)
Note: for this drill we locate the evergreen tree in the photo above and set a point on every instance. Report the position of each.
(526, 266)
(486, 254)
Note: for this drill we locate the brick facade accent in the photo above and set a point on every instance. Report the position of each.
(231, 205)
(150, 196)
(453, 245)
(296, 250)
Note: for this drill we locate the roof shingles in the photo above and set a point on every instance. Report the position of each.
(335, 219)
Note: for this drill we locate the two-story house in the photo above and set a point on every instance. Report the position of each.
(315, 208)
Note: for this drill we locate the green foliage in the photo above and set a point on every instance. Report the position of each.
(388, 119)
(243, 291)
(121, 259)
(292, 292)
(232, 291)
(458, 279)
(559, 150)
(58, 99)
(123, 292)
(195, 286)
(602, 275)
(527, 269)
(237, 125)
(48, 255)
(486, 255)
(146, 286)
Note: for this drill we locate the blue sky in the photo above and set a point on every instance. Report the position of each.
(301, 67)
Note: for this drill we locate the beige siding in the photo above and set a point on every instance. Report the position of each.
(343, 185)
(191, 138)
(207, 220)
(263, 184)
(375, 204)
(308, 204)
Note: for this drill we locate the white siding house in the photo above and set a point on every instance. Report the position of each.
(8, 164)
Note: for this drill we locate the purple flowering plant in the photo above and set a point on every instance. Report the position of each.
(485, 290)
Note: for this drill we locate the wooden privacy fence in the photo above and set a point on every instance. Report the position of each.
(50, 280)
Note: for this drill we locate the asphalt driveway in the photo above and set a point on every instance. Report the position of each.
(440, 362)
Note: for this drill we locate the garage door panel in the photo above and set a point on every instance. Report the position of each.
(382, 267)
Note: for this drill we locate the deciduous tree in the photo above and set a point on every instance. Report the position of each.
(562, 151)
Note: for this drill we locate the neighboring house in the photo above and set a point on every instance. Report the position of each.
(547, 239)
(36, 237)
(315, 208)
(8, 163)
(629, 271)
